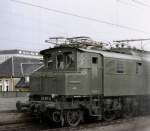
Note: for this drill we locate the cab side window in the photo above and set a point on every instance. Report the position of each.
(138, 67)
(94, 60)
(120, 67)
(60, 62)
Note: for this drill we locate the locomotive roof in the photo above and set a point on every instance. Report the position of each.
(120, 53)
(133, 56)
(43, 52)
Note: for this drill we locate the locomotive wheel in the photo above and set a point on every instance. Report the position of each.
(56, 116)
(109, 115)
(73, 117)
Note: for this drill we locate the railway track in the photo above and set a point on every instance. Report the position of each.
(28, 126)
(91, 125)
(17, 127)
(19, 122)
(35, 126)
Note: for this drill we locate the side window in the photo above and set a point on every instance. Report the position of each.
(65, 61)
(50, 64)
(48, 61)
(69, 60)
(60, 61)
(138, 67)
(94, 60)
(120, 67)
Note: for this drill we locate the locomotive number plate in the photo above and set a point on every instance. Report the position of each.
(45, 98)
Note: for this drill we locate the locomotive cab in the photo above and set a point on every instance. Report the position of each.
(67, 71)
(68, 80)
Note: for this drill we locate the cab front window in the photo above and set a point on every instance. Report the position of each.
(60, 62)
(65, 61)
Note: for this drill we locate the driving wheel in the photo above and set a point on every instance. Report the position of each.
(73, 117)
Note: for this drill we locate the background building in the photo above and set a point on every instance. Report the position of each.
(15, 68)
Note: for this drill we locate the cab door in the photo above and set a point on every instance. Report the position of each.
(96, 85)
(96, 74)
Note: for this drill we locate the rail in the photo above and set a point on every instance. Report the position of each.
(10, 94)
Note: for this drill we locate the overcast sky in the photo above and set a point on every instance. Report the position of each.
(26, 27)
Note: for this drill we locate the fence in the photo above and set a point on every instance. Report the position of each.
(10, 94)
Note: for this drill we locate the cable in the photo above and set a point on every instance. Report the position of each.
(46, 24)
(132, 40)
(127, 3)
(19, 41)
(82, 17)
(141, 3)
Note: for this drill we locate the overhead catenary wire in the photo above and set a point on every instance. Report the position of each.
(16, 14)
(132, 40)
(141, 3)
(82, 17)
(20, 41)
(126, 3)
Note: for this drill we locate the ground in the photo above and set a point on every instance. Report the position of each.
(10, 103)
(132, 124)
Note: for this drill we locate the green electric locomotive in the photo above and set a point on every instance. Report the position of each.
(80, 80)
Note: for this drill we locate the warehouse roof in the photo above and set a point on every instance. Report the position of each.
(17, 51)
(28, 68)
(17, 66)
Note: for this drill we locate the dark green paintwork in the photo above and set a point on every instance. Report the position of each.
(89, 78)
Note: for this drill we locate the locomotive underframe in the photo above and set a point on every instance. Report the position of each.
(97, 107)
